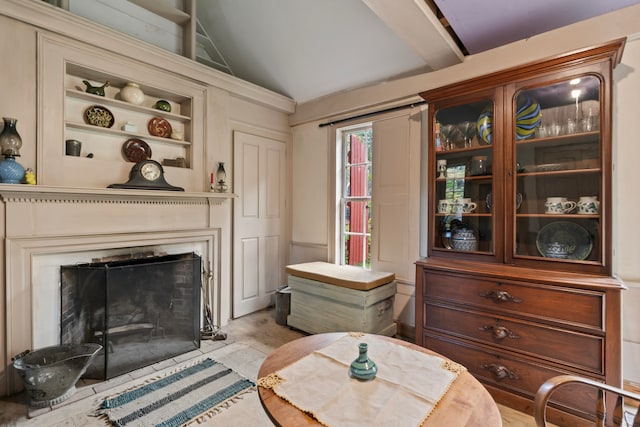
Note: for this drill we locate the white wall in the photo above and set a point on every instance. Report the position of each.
(626, 233)
(131, 19)
(230, 104)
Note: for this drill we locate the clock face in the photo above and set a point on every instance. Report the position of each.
(150, 171)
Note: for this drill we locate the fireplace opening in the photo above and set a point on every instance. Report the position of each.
(142, 310)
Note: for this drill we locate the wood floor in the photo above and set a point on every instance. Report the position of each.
(250, 339)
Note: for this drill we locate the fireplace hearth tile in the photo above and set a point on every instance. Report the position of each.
(187, 356)
(99, 387)
(163, 365)
(139, 373)
(40, 411)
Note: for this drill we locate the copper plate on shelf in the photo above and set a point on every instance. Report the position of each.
(159, 127)
(136, 150)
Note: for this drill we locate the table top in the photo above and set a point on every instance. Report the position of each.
(467, 403)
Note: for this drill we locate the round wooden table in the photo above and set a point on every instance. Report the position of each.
(467, 403)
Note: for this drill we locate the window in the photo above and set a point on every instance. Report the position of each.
(355, 195)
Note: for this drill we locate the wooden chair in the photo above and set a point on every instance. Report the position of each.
(546, 389)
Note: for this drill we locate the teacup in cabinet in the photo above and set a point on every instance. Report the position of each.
(558, 205)
(445, 206)
(588, 205)
(465, 205)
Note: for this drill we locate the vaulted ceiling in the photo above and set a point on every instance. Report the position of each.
(307, 49)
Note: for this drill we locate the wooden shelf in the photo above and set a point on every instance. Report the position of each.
(72, 93)
(100, 130)
(581, 137)
(558, 216)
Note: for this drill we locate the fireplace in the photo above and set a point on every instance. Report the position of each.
(49, 227)
(142, 310)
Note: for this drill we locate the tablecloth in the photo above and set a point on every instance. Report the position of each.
(407, 388)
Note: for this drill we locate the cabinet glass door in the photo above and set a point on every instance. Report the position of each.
(463, 145)
(558, 185)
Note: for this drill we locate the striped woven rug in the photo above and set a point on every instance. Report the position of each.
(174, 400)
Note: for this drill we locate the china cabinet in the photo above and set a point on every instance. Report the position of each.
(517, 284)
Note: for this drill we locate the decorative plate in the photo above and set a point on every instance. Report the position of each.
(564, 239)
(99, 116)
(159, 127)
(136, 150)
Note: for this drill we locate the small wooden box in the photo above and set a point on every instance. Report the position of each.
(332, 300)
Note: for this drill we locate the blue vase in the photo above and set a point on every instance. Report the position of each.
(363, 368)
(11, 172)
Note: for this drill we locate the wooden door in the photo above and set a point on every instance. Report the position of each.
(259, 221)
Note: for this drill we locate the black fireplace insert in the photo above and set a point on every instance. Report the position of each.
(142, 310)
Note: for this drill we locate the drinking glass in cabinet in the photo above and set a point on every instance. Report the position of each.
(566, 108)
(464, 126)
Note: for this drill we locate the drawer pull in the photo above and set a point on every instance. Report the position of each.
(500, 296)
(500, 372)
(499, 332)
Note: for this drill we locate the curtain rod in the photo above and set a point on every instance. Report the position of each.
(373, 113)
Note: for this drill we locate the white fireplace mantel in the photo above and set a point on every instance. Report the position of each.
(46, 227)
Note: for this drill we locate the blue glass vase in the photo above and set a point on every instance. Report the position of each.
(11, 172)
(363, 368)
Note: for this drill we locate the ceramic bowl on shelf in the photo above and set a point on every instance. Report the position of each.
(464, 239)
(162, 105)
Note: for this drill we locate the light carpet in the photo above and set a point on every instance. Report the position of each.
(185, 396)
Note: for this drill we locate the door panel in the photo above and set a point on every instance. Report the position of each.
(259, 221)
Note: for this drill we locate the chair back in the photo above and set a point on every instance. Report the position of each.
(552, 384)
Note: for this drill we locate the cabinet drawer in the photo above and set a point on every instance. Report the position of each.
(575, 349)
(567, 306)
(515, 375)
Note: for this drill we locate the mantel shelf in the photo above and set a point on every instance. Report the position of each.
(8, 191)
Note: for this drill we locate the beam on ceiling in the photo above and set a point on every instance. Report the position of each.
(416, 24)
